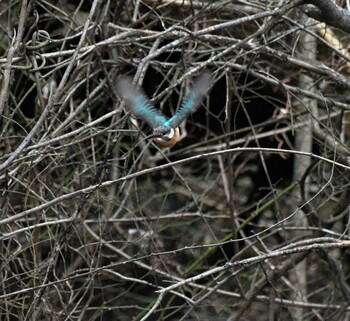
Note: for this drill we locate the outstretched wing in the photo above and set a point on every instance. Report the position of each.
(138, 103)
(192, 101)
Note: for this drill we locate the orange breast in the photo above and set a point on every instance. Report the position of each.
(168, 140)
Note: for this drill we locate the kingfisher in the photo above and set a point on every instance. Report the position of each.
(166, 132)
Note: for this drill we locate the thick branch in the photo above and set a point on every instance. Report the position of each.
(328, 12)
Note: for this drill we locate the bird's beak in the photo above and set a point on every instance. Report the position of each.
(155, 135)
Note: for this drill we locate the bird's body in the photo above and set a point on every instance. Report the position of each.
(165, 131)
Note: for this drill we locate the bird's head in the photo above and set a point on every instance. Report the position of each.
(165, 136)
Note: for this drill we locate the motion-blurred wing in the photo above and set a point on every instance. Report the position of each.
(192, 101)
(138, 103)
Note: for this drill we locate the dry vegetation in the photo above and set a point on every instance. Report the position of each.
(246, 218)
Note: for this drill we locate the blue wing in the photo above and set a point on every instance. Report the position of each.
(138, 103)
(192, 101)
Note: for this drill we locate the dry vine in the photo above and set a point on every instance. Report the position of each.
(97, 223)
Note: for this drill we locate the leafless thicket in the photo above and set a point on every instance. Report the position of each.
(246, 218)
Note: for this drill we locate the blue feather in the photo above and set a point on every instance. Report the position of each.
(138, 103)
(192, 101)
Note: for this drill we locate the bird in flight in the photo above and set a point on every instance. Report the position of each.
(166, 131)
